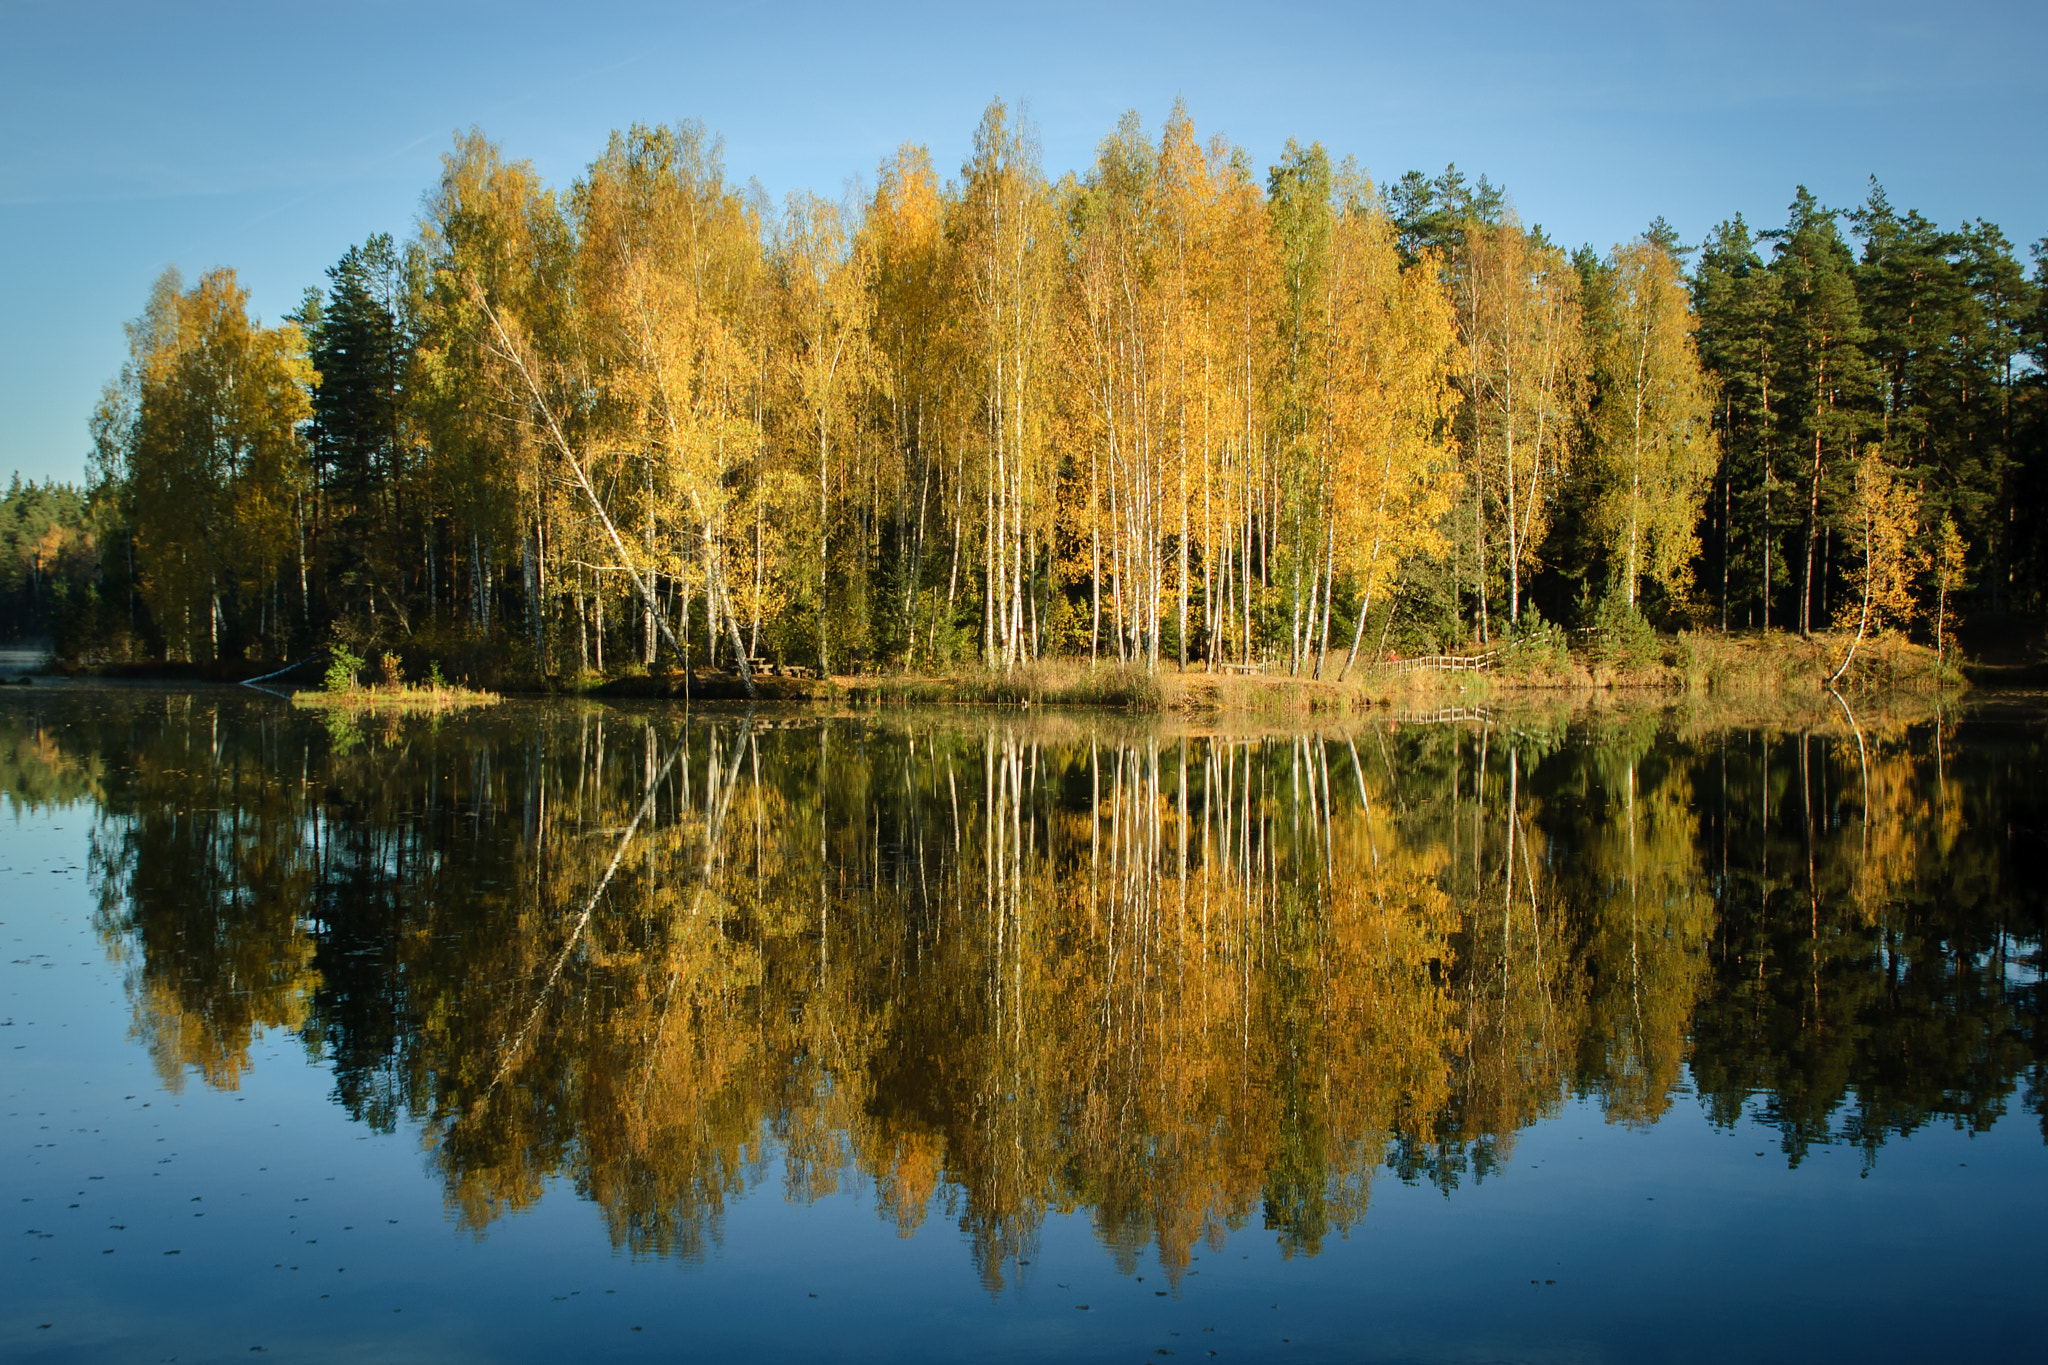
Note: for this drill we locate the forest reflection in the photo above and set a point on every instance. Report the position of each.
(996, 968)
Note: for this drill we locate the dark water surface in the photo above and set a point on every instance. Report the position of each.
(572, 1032)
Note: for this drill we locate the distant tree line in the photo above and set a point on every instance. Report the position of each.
(1165, 410)
(48, 559)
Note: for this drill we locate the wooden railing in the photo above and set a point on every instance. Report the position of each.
(1443, 715)
(1443, 663)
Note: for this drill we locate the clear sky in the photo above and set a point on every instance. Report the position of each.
(270, 136)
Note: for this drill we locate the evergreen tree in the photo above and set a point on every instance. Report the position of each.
(2024, 522)
(361, 346)
(1945, 310)
(1435, 214)
(1738, 304)
(1826, 378)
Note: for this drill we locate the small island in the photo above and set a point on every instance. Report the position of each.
(344, 690)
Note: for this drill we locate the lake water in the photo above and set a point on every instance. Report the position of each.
(566, 1032)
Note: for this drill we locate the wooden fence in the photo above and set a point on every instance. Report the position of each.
(1443, 663)
(1443, 715)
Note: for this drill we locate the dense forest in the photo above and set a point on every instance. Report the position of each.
(1169, 410)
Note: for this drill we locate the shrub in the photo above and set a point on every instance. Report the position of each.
(1621, 635)
(342, 668)
(1538, 645)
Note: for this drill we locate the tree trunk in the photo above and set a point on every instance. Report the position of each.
(1812, 532)
(1864, 620)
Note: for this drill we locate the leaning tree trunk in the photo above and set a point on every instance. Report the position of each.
(560, 441)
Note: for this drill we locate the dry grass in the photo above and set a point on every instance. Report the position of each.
(1047, 682)
(1127, 687)
(1755, 664)
(1703, 664)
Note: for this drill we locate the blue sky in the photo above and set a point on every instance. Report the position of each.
(271, 136)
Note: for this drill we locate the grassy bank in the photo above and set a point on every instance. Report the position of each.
(1047, 682)
(698, 685)
(403, 699)
(1748, 666)
(1549, 713)
(1751, 667)
(1125, 687)
(1745, 664)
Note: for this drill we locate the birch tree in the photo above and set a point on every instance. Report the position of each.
(828, 306)
(1656, 439)
(1523, 370)
(1007, 249)
(1393, 344)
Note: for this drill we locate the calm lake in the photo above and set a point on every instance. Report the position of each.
(567, 1031)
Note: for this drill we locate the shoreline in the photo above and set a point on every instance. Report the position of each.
(1549, 710)
(1734, 671)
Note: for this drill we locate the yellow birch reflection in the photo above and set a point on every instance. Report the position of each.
(996, 970)
(206, 900)
(1650, 911)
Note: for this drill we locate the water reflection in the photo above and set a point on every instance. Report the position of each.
(1184, 980)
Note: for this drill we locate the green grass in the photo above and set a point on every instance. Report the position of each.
(404, 699)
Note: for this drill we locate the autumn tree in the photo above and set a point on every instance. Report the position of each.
(1003, 232)
(912, 337)
(214, 463)
(1883, 517)
(1656, 444)
(671, 269)
(1391, 340)
(494, 287)
(1300, 204)
(1948, 559)
(826, 278)
(1523, 370)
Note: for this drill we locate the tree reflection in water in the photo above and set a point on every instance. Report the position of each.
(1178, 977)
